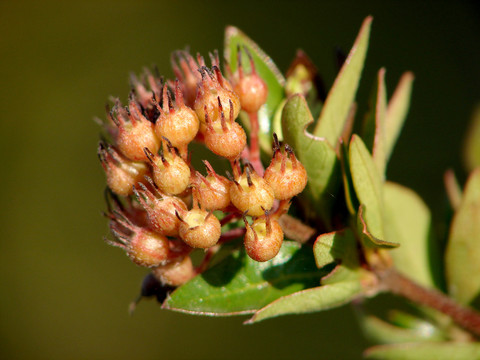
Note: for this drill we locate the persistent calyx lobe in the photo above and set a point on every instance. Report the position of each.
(160, 208)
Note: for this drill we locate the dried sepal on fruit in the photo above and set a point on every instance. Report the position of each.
(224, 137)
(143, 246)
(160, 209)
(213, 90)
(176, 273)
(170, 172)
(185, 68)
(144, 86)
(285, 174)
(213, 191)
(250, 87)
(263, 238)
(135, 132)
(250, 193)
(177, 122)
(121, 173)
(199, 228)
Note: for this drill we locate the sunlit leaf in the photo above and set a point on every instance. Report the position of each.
(342, 94)
(369, 240)
(318, 157)
(267, 70)
(368, 186)
(239, 285)
(374, 126)
(408, 222)
(311, 300)
(463, 251)
(397, 112)
(423, 351)
(336, 246)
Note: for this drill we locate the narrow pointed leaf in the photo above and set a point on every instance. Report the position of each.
(342, 94)
(368, 186)
(408, 222)
(336, 246)
(316, 155)
(472, 142)
(239, 285)
(397, 112)
(374, 127)
(267, 70)
(423, 351)
(310, 300)
(463, 250)
(343, 273)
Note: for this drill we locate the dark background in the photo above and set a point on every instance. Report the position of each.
(64, 291)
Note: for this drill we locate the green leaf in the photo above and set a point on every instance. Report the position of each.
(380, 331)
(316, 155)
(240, 285)
(463, 250)
(368, 186)
(369, 240)
(408, 222)
(423, 351)
(374, 127)
(472, 142)
(310, 300)
(342, 94)
(397, 112)
(267, 70)
(336, 246)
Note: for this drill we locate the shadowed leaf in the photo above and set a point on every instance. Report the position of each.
(408, 222)
(342, 94)
(316, 155)
(239, 285)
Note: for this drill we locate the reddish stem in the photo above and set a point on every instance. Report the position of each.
(398, 284)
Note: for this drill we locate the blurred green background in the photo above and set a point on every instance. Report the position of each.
(65, 293)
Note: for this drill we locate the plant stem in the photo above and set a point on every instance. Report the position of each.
(398, 284)
(254, 146)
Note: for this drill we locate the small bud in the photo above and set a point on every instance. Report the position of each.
(177, 122)
(143, 247)
(251, 194)
(199, 228)
(250, 88)
(263, 238)
(285, 174)
(135, 133)
(175, 273)
(213, 191)
(121, 173)
(161, 210)
(213, 94)
(170, 172)
(224, 138)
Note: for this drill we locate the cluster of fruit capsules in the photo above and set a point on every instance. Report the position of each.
(159, 207)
